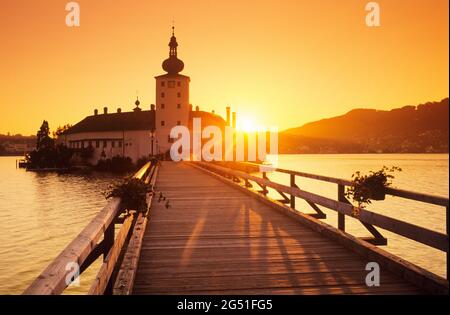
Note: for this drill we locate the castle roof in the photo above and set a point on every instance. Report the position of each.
(136, 120)
(208, 119)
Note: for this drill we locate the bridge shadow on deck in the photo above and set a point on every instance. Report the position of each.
(214, 239)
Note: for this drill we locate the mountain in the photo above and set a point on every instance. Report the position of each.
(410, 129)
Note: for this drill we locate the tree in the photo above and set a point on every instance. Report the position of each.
(60, 130)
(43, 137)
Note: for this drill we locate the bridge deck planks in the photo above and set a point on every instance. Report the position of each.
(214, 239)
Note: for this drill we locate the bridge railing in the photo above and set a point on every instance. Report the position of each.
(244, 173)
(96, 239)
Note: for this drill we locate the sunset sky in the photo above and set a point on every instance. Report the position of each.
(278, 62)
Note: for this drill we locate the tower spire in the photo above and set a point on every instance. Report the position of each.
(173, 65)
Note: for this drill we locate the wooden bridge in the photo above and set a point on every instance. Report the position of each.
(212, 229)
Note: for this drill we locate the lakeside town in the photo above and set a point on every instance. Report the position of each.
(253, 158)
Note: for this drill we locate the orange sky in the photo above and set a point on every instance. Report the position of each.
(281, 63)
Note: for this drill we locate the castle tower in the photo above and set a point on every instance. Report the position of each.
(172, 97)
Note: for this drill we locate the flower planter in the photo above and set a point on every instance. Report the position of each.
(370, 187)
(378, 194)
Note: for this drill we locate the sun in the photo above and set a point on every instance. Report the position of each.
(247, 124)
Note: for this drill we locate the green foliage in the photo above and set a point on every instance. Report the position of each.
(43, 140)
(117, 164)
(370, 187)
(60, 130)
(132, 192)
(50, 157)
(86, 153)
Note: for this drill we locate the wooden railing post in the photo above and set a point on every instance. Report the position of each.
(108, 240)
(265, 191)
(341, 216)
(446, 219)
(292, 196)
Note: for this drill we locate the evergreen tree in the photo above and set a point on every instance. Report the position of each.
(43, 137)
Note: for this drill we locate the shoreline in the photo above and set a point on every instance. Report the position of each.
(354, 153)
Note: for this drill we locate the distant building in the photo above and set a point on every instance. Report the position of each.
(19, 148)
(142, 133)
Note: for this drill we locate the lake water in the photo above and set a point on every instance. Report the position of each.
(41, 213)
(425, 173)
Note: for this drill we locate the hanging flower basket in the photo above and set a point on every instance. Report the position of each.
(370, 187)
(133, 194)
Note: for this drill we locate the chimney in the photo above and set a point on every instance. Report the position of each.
(105, 110)
(234, 120)
(96, 112)
(119, 110)
(228, 115)
(197, 108)
(152, 107)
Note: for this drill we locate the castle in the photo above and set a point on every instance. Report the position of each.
(143, 133)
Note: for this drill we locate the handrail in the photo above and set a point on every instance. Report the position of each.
(83, 250)
(427, 198)
(344, 208)
(127, 272)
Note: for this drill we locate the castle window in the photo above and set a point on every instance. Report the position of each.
(163, 106)
(178, 83)
(97, 144)
(162, 94)
(163, 83)
(171, 84)
(179, 94)
(163, 123)
(178, 106)
(178, 123)
(104, 143)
